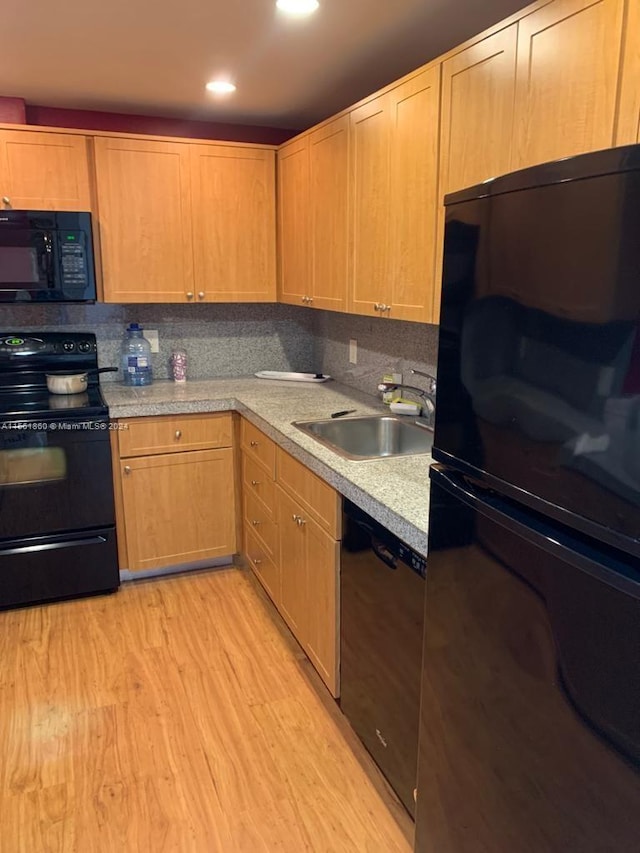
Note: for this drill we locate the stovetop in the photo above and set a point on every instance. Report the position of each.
(40, 402)
(25, 358)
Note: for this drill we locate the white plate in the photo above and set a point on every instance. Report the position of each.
(292, 377)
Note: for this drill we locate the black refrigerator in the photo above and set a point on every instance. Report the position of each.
(530, 698)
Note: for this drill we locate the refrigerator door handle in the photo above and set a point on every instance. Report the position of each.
(604, 565)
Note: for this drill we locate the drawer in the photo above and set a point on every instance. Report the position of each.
(259, 446)
(174, 433)
(263, 566)
(258, 520)
(258, 483)
(318, 498)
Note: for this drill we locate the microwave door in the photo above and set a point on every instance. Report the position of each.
(27, 264)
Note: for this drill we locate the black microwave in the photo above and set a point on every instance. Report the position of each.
(46, 256)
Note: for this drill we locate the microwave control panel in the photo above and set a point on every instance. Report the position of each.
(73, 259)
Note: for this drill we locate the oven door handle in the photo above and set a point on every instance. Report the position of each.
(52, 546)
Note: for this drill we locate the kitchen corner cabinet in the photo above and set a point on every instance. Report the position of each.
(291, 536)
(567, 79)
(313, 224)
(182, 222)
(393, 203)
(294, 231)
(41, 170)
(175, 490)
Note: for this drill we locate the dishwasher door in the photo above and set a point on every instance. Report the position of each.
(382, 611)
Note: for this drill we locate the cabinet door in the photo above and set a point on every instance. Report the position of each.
(294, 593)
(323, 629)
(178, 507)
(567, 77)
(415, 111)
(628, 119)
(144, 204)
(370, 165)
(294, 231)
(329, 168)
(44, 171)
(478, 90)
(478, 86)
(234, 227)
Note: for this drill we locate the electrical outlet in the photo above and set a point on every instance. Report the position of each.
(152, 336)
(353, 351)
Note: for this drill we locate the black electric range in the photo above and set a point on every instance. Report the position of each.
(57, 517)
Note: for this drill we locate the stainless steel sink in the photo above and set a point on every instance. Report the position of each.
(374, 437)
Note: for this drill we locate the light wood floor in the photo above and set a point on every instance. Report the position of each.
(177, 715)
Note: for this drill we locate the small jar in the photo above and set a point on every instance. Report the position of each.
(179, 365)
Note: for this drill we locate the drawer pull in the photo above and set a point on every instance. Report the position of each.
(178, 433)
(301, 521)
(255, 523)
(254, 443)
(127, 469)
(295, 517)
(255, 482)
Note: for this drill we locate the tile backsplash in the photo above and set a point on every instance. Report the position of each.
(220, 340)
(239, 339)
(384, 345)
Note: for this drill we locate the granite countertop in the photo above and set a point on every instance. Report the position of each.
(395, 491)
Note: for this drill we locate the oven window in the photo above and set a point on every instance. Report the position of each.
(32, 465)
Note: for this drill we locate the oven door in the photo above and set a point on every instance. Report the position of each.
(55, 476)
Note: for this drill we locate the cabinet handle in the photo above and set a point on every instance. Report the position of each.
(295, 517)
(255, 482)
(377, 306)
(6, 201)
(304, 298)
(201, 294)
(255, 523)
(301, 521)
(127, 469)
(189, 294)
(178, 433)
(309, 299)
(255, 562)
(253, 443)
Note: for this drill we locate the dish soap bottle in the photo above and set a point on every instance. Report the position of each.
(136, 357)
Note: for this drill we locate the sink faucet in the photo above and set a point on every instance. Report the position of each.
(428, 395)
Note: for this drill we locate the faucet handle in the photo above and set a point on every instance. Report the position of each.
(432, 379)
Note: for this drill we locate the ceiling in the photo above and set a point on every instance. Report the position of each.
(154, 56)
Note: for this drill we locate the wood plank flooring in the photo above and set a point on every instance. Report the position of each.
(178, 715)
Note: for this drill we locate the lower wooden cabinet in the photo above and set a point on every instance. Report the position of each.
(174, 507)
(309, 586)
(291, 533)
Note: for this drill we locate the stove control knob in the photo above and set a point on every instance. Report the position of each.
(68, 346)
(84, 346)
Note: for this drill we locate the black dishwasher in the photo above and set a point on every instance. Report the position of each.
(382, 612)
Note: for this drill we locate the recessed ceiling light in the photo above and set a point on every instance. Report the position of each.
(299, 8)
(220, 87)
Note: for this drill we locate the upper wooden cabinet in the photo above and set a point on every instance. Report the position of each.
(415, 109)
(567, 79)
(628, 129)
(144, 208)
(478, 86)
(44, 171)
(329, 198)
(233, 203)
(294, 233)
(186, 222)
(393, 171)
(312, 217)
(370, 178)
